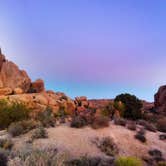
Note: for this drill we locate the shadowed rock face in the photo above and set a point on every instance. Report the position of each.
(160, 99)
(11, 76)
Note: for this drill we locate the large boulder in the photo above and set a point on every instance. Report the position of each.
(6, 91)
(11, 76)
(160, 100)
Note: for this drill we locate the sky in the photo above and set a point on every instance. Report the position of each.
(97, 48)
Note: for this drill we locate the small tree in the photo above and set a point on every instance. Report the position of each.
(132, 106)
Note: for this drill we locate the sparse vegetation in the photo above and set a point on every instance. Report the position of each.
(3, 157)
(15, 129)
(22, 127)
(141, 135)
(132, 106)
(90, 161)
(106, 145)
(162, 136)
(128, 161)
(39, 132)
(46, 117)
(12, 112)
(6, 144)
(120, 121)
(78, 122)
(39, 157)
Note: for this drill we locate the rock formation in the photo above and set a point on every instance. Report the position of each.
(160, 100)
(37, 86)
(15, 85)
(11, 76)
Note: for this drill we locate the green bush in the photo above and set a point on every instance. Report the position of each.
(128, 161)
(118, 105)
(132, 106)
(108, 110)
(40, 132)
(12, 112)
(46, 117)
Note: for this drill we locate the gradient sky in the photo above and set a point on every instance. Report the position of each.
(97, 48)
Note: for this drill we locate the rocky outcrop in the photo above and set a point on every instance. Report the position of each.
(6, 91)
(160, 100)
(11, 76)
(37, 86)
(81, 103)
(39, 101)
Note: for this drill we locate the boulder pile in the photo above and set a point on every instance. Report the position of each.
(160, 100)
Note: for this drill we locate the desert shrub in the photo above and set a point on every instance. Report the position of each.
(90, 161)
(3, 157)
(62, 112)
(39, 132)
(151, 127)
(140, 137)
(142, 122)
(128, 161)
(39, 157)
(6, 144)
(12, 112)
(107, 110)
(106, 145)
(141, 131)
(29, 125)
(131, 125)
(46, 117)
(22, 127)
(78, 122)
(120, 121)
(132, 106)
(161, 124)
(100, 122)
(147, 125)
(155, 153)
(15, 129)
(118, 105)
(162, 136)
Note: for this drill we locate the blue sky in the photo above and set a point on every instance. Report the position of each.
(95, 48)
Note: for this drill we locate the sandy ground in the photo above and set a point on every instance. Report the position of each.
(78, 142)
